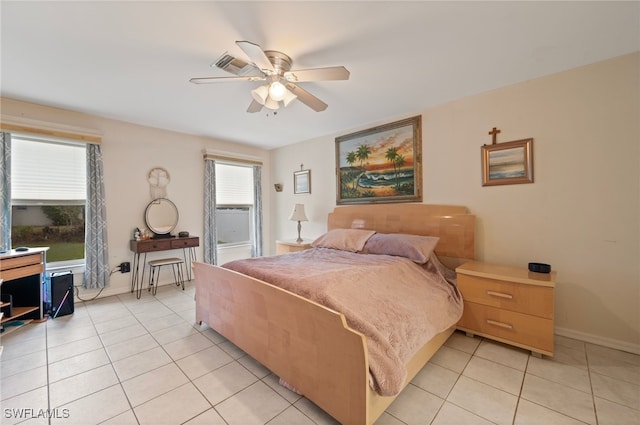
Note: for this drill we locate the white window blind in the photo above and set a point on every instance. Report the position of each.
(44, 171)
(234, 184)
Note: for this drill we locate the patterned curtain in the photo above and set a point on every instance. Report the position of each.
(5, 191)
(210, 239)
(96, 274)
(257, 216)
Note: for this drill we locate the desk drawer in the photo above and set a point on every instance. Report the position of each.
(526, 330)
(184, 243)
(517, 297)
(18, 272)
(21, 261)
(152, 245)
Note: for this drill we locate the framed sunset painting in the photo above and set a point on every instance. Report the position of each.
(380, 164)
(507, 163)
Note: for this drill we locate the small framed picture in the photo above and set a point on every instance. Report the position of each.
(507, 163)
(302, 182)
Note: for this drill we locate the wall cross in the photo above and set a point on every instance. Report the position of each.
(494, 134)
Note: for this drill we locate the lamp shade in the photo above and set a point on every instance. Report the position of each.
(288, 97)
(271, 104)
(260, 94)
(298, 213)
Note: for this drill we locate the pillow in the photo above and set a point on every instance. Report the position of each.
(344, 239)
(414, 247)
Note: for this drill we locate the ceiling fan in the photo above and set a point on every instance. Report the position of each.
(275, 68)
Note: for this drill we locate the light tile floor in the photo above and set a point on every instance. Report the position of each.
(119, 360)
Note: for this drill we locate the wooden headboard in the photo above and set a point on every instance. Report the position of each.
(454, 225)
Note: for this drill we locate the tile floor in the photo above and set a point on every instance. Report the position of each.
(119, 360)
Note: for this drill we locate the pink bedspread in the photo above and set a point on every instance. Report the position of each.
(397, 304)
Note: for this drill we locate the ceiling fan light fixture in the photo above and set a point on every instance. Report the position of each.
(277, 91)
(261, 94)
(272, 104)
(274, 69)
(288, 97)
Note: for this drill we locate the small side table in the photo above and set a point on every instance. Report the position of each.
(286, 246)
(508, 304)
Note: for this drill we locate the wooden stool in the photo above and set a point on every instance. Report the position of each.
(176, 266)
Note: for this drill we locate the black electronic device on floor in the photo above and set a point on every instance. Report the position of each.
(61, 294)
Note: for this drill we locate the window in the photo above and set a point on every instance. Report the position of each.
(234, 205)
(48, 195)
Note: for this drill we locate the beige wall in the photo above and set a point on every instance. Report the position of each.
(129, 151)
(582, 214)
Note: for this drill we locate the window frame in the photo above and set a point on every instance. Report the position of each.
(251, 241)
(77, 263)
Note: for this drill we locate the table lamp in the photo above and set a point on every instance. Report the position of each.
(298, 215)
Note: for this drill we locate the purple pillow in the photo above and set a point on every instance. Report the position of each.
(344, 239)
(414, 247)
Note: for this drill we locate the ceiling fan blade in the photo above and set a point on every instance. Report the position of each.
(307, 98)
(254, 107)
(209, 80)
(256, 54)
(318, 74)
(236, 66)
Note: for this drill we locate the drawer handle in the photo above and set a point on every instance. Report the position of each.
(500, 295)
(500, 324)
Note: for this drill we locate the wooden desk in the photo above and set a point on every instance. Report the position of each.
(21, 274)
(188, 246)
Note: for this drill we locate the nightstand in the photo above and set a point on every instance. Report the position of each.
(508, 304)
(285, 246)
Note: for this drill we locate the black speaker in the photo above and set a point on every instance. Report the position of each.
(61, 294)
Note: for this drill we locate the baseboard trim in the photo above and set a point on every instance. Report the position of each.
(599, 340)
(89, 294)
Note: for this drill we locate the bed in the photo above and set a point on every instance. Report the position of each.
(311, 346)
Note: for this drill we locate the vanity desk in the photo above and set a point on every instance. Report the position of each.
(188, 246)
(161, 217)
(22, 273)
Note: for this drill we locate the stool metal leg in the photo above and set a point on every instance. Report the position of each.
(181, 275)
(152, 272)
(175, 275)
(154, 279)
(178, 274)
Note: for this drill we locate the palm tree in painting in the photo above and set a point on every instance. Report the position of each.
(351, 159)
(391, 154)
(363, 154)
(398, 162)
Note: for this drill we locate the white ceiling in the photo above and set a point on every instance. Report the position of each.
(132, 61)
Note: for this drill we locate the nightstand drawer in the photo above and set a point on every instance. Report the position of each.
(521, 329)
(516, 297)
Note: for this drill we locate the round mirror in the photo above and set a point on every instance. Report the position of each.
(161, 216)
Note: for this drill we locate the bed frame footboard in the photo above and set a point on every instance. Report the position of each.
(306, 344)
(310, 346)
